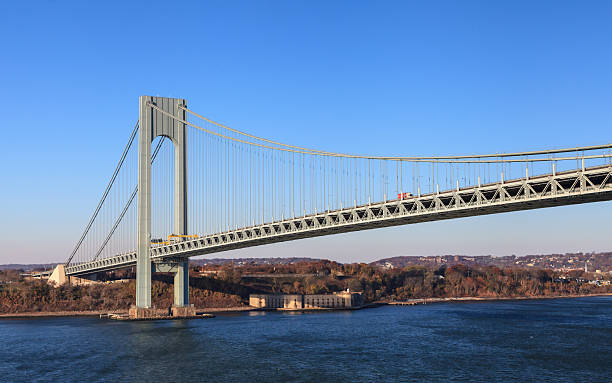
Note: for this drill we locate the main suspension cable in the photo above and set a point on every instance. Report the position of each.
(440, 159)
(300, 149)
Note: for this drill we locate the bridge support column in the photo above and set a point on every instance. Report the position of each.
(143, 259)
(181, 307)
(153, 123)
(180, 268)
(181, 285)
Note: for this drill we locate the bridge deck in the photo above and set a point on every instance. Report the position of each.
(567, 188)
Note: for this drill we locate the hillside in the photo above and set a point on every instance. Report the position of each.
(558, 262)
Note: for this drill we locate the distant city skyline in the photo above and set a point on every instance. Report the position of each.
(398, 79)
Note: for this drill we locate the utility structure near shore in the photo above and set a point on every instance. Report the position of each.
(210, 188)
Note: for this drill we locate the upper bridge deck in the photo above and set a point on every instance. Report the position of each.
(565, 188)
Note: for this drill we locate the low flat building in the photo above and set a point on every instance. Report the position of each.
(276, 301)
(341, 300)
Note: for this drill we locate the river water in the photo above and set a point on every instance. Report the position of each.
(557, 340)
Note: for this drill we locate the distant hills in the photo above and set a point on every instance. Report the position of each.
(568, 261)
(28, 267)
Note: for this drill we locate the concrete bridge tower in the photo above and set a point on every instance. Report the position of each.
(154, 123)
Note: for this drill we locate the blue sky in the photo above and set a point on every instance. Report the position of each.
(438, 77)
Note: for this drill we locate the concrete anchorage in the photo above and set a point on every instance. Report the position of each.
(154, 124)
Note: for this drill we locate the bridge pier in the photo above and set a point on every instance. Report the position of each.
(180, 269)
(181, 307)
(181, 284)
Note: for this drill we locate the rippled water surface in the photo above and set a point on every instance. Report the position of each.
(560, 340)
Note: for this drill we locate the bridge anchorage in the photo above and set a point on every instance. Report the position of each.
(202, 187)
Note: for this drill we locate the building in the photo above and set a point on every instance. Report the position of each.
(341, 300)
(277, 301)
(345, 299)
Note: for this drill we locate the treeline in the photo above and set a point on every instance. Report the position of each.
(414, 282)
(38, 295)
(230, 288)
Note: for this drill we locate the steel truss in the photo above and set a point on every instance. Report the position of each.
(567, 188)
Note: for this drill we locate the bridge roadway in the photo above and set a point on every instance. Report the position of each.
(565, 188)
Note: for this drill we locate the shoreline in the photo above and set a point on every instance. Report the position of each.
(51, 314)
(240, 309)
(418, 301)
(97, 313)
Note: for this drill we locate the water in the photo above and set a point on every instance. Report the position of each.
(560, 340)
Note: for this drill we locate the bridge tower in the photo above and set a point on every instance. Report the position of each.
(154, 123)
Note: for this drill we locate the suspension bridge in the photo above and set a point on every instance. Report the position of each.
(186, 186)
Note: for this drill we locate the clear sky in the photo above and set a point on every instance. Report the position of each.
(394, 77)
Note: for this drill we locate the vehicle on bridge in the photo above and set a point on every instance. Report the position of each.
(172, 238)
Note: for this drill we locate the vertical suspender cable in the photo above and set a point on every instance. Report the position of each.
(104, 195)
